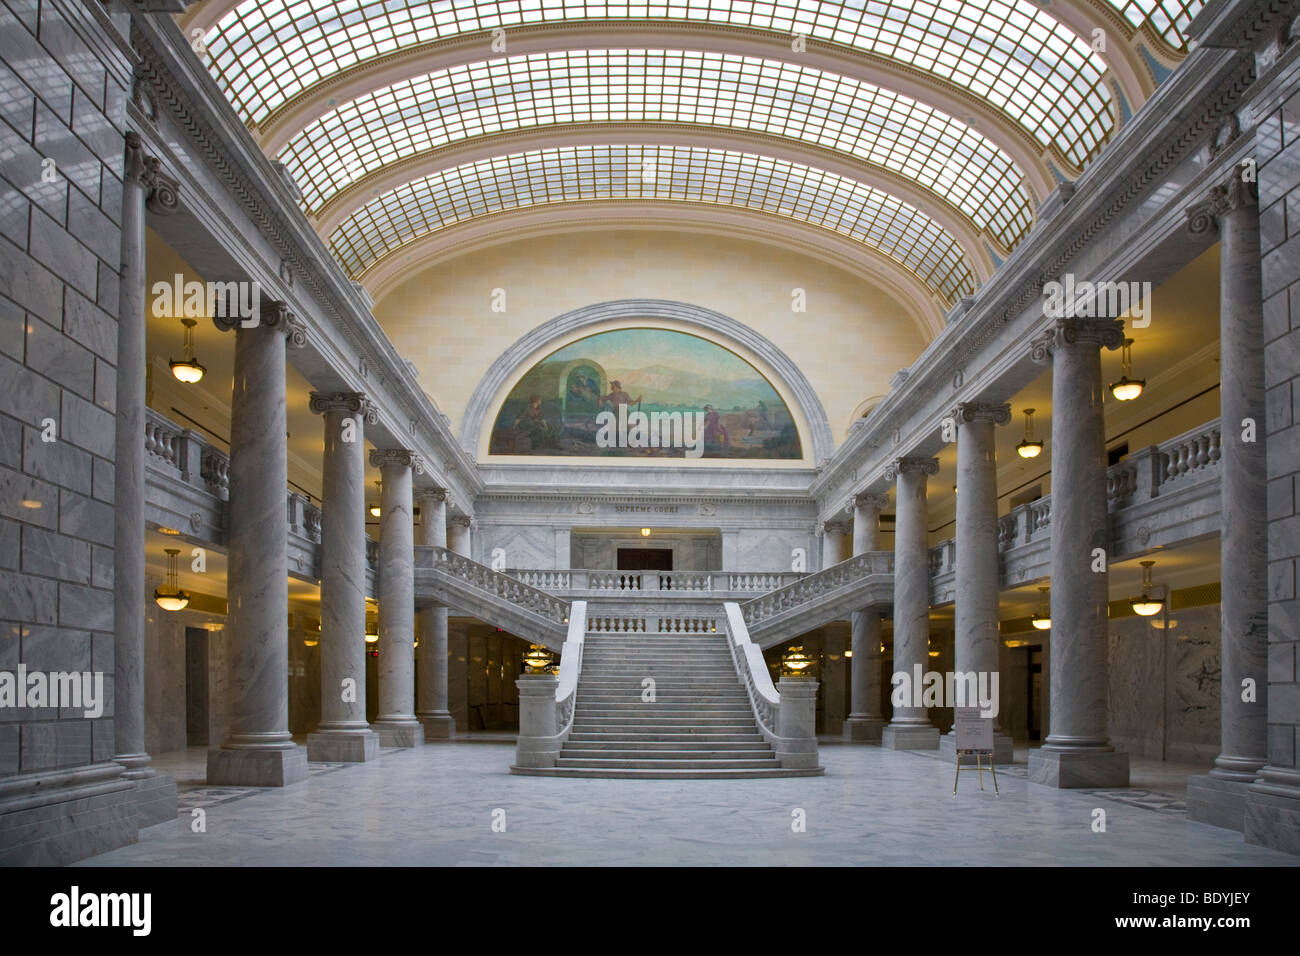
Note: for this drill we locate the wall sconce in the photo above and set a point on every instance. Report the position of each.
(1126, 389)
(1029, 448)
(1042, 619)
(1147, 605)
(645, 532)
(169, 595)
(188, 369)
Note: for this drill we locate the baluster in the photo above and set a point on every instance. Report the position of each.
(1202, 450)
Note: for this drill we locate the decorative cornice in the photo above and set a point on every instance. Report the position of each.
(1100, 333)
(401, 457)
(353, 403)
(997, 413)
(912, 465)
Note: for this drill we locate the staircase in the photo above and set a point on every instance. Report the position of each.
(699, 725)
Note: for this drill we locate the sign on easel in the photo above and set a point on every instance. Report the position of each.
(974, 736)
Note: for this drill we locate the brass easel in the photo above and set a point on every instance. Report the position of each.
(978, 766)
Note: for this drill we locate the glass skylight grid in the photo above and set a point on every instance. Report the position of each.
(746, 93)
(1009, 52)
(1169, 18)
(722, 177)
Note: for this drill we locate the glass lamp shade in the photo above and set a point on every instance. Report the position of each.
(188, 371)
(1146, 605)
(795, 662)
(1041, 623)
(1029, 449)
(371, 637)
(171, 599)
(1127, 389)
(538, 659)
(645, 532)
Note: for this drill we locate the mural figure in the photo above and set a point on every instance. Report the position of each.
(694, 399)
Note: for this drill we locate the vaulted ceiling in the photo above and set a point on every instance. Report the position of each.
(923, 134)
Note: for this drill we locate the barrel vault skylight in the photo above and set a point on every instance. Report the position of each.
(766, 96)
(939, 177)
(681, 174)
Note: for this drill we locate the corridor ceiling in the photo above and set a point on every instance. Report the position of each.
(927, 132)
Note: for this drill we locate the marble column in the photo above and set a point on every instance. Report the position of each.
(976, 637)
(1077, 752)
(144, 186)
(395, 722)
(259, 751)
(343, 734)
(865, 721)
(431, 628)
(1219, 797)
(835, 534)
(910, 727)
(458, 532)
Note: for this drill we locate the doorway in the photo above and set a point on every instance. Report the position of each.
(1034, 692)
(645, 559)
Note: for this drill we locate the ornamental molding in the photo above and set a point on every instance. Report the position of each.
(162, 192)
(1234, 194)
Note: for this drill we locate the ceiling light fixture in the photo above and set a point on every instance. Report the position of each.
(1029, 448)
(1147, 605)
(1126, 389)
(375, 510)
(1042, 619)
(188, 369)
(169, 595)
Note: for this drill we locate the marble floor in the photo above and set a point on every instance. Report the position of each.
(457, 804)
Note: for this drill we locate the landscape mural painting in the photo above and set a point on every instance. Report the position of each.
(645, 393)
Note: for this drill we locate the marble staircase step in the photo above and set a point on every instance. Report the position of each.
(640, 764)
(639, 756)
(664, 773)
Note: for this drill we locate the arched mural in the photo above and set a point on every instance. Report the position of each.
(645, 393)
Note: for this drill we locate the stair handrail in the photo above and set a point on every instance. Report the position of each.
(832, 578)
(566, 692)
(752, 669)
(511, 589)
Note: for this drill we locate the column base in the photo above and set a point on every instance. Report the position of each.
(439, 726)
(1216, 801)
(1070, 769)
(155, 800)
(909, 737)
(863, 730)
(403, 733)
(1003, 750)
(257, 768)
(1273, 810)
(335, 746)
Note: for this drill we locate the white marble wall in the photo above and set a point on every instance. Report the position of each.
(1165, 684)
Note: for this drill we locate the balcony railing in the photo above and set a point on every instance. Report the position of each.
(596, 583)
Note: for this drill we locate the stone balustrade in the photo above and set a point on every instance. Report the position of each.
(576, 582)
(863, 581)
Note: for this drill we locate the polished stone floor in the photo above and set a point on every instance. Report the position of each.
(437, 806)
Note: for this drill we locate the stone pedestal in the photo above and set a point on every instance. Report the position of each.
(1077, 752)
(910, 727)
(259, 751)
(343, 734)
(431, 656)
(537, 745)
(797, 723)
(396, 723)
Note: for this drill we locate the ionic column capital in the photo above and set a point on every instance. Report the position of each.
(162, 191)
(432, 494)
(272, 314)
(351, 403)
(1066, 333)
(915, 465)
(966, 412)
(1236, 193)
(869, 501)
(836, 526)
(461, 521)
(400, 457)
